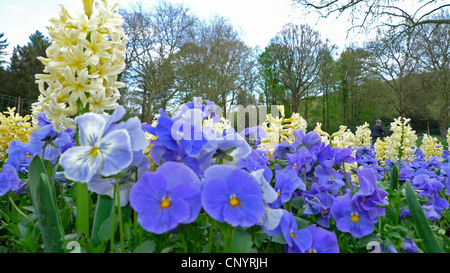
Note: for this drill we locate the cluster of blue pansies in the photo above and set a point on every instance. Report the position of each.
(227, 176)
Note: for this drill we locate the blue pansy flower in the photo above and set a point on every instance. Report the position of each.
(311, 139)
(255, 161)
(326, 175)
(282, 149)
(286, 182)
(227, 149)
(300, 238)
(351, 219)
(318, 200)
(9, 180)
(232, 195)
(369, 195)
(409, 246)
(302, 159)
(161, 154)
(323, 241)
(185, 129)
(167, 197)
(106, 153)
(343, 155)
(20, 155)
(52, 142)
(323, 152)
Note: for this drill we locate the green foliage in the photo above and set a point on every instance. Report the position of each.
(18, 78)
(45, 206)
(3, 45)
(430, 243)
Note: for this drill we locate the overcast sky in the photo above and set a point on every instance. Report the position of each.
(259, 20)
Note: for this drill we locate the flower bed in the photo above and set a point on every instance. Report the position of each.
(191, 183)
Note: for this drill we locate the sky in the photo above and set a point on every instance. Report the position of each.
(258, 20)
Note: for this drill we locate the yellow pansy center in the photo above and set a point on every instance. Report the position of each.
(234, 201)
(165, 203)
(312, 250)
(27, 155)
(278, 193)
(354, 217)
(94, 151)
(292, 234)
(294, 166)
(324, 212)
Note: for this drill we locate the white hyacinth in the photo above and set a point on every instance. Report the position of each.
(362, 136)
(82, 64)
(401, 144)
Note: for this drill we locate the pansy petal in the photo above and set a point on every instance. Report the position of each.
(78, 164)
(91, 128)
(215, 195)
(178, 174)
(117, 155)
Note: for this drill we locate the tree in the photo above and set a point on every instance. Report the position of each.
(24, 65)
(3, 45)
(296, 50)
(352, 74)
(217, 65)
(394, 64)
(393, 13)
(269, 81)
(434, 57)
(326, 83)
(154, 38)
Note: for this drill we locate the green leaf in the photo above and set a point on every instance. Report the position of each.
(279, 239)
(146, 247)
(34, 173)
(364, 241)
(104, 232)
(394, 178)
(430, 243)
(302, 223)
(297, 202)
(102, 212)
(3, 249)
(242, 241)
(47, 214)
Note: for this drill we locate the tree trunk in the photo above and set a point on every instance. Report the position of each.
(144, 103)
(294, 101)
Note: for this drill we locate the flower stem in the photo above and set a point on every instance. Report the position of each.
(211, 231)
(268, 244)
(119, 211)
(18, 210)
(195, 237)
(137, 241)
(82, 203)
(183, 240)
(346, 178)
(113, 221)
(230, 239)
(82, 200)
